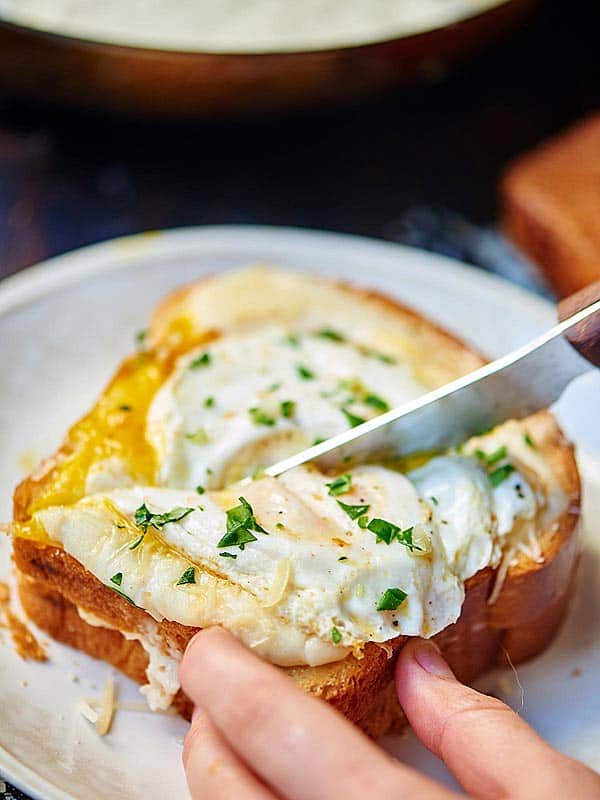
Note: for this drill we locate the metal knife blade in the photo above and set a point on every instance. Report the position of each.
(511, 387)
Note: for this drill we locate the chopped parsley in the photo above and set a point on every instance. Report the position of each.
(258, 472)
(529, 441)
(137, 542)
(201, 361)
(209, 402)
(144, 519)
(352, 418)
(333, 336)
(340, 485)
(317, 441)
(200, 489)
(363, 521)
(200, 436)
(273, 387)
(492, 458)
(391, 599)
(500, 474)
(377, 402)
(260, 417)
(354, 512)
(121, 594)
(288, 408)
(343, 558)
(228, 555)
(366, 351)
(117, 578)
(125, 407)
(434, 500)
(280, 525)
(140, 337)
(305, 373)
(240, 524)
(388, 532)
(292, 340)
(189, 576)
(238, 537)
(336, 636)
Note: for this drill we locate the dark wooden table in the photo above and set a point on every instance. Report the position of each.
(67, 179)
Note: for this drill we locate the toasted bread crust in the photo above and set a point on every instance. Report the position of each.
(522, 620)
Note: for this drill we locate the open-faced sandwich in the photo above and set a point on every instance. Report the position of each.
(134, 534)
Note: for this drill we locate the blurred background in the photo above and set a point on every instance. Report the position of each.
(418, 164)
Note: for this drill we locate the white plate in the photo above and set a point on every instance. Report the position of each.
(64, 325)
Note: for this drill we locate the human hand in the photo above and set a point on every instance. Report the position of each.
(256, 736)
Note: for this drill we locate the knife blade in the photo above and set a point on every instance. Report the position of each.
(513, 386)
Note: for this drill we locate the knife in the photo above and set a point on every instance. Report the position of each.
(511, 387)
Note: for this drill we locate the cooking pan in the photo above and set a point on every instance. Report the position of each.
(130, 80)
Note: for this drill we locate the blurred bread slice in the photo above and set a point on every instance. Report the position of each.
(550, 206)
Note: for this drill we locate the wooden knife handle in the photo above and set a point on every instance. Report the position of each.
(585, 337)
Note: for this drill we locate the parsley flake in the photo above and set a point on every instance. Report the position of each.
(492, 458)
(499, 475)
(377, 402)
(189, 576)
(200, 436)
(333, 336)
(529, 441)
(336, 636)
(260, 417)
(354, 512)
(121, 594)
(144, 519)
(340, 485)
(240, 524)
(305, 373)
(209, 402)
(117, 578)
(292, 340)
(391, 599)
(201, 361)
(388, 532)
(352, 418)
(288, 408)
(228, 555)
(200, 489)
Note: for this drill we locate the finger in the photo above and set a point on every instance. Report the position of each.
(295, 743)
(212, 770)
(490, 750)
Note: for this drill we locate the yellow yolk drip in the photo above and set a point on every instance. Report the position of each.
(116, 426)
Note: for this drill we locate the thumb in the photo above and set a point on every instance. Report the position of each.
(490, 750)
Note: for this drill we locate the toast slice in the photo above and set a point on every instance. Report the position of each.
(550, 206)
(528, 588)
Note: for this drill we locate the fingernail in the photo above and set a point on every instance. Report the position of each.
(428, 656)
